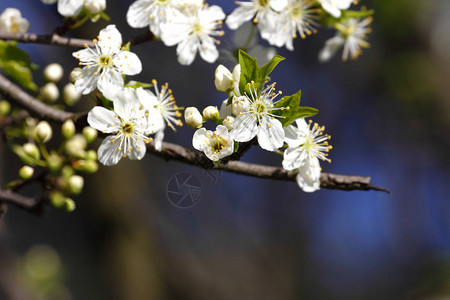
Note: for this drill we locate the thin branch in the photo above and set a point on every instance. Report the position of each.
(18, 200)
(56, 39)
(47, 39)
(327, 180)
(14, 93)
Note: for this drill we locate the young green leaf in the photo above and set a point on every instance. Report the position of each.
(249, 70)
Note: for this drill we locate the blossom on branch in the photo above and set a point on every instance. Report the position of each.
(306, 146)
(216, 145)
(352, 36)
(11, 21)
(193, 32)
(105, 65)
(256, 118)
(70, 8)
(334, 7)
(130, 125)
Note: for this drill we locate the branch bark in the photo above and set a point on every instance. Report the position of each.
(18, 200)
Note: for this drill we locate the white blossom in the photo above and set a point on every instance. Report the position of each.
(216, 145)
(53, 72)
(306, 146)
(193, 117)
(334, 7)
(67, 8)
(164, 102)
(129, 125)
(11, 21)
(193, 32)
(105, 65)
(352, 36)
(223, 79)
(95, 6)
(298, 16)
(257, 119)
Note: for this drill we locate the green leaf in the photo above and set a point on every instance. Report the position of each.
(126, 47)
(138, 84)
(17, 64)
(359, 14)
(104, 16)
(249, 70)
(291, 110)
(267, 68)
(22, 75)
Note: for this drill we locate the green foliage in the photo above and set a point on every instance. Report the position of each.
(138, 84)
(250, 71)
(291, 109)
(17, 64)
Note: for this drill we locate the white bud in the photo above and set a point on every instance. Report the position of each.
(210, 112)
(75, 184)
(236, 78)
(43, 132)
(76, 146)
(228, 122)
(239, 105)
(26, 172)
(75, 74)
(68, 129)
(53, 72)
(31, 150)
(11, 21)
(223, 79)
(70, 94)
(49, 92)
(95, 6)
(90, 134)
(193, 117)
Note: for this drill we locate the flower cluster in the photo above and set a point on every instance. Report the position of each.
(189, 24)
(253, 112)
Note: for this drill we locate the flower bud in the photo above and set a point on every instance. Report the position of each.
(54, 162)
(95, 6)
(237, 77)
(90, 134)
(228, 122)
(67, 171)
(210, 113)
(91, 155)
(31, 150)
(75, 74)
(193, 117)
(57, 199)
(68, 129)
(53, 72)
(42, 132)
(69, 205)
(26, 172)
(11, 21)
(88, 166)
(223, 79)
(239, 105)
(75, 184)
(49, 92)
(5, 108)
(70, 94)
(76, 146)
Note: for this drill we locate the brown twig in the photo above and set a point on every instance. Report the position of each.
(31, 204)
(47, 39)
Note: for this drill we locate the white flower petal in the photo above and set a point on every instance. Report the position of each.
(308, 177)
(244, 128)
(293, 158)
(137, 151)
(110, 40)
(155, 121)
(239, 16)
(187, 50)
(137, 15)
(199, 138)
(208, 50)
(159, 136)
(225, 110)
(128, 63)
(271, 135)
(278, 5)
(331, 47)
(146, 98)
(69, 8)
(109, 82)
(103, 120)
(87, 82)
(108, 153)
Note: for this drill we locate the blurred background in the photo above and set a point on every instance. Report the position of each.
(388, 113)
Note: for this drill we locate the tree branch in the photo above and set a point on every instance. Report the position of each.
(32, 204)
(48, 39)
